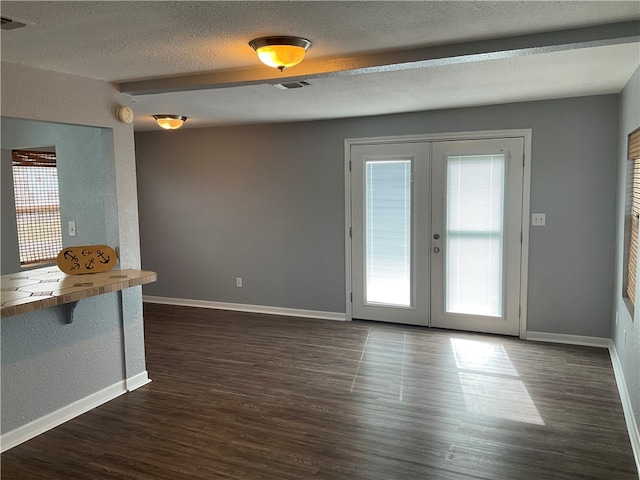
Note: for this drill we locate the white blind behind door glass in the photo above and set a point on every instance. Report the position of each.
(475, 236)
(388, 232)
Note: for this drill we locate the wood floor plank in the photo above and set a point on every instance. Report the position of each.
(250, 397)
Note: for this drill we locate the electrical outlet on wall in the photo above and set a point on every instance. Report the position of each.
(538, 219)
(72, 229)
(239, 282)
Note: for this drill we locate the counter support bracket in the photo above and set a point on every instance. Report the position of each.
(69, 308)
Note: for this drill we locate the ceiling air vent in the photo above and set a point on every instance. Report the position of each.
(292, 85)
(8, 24)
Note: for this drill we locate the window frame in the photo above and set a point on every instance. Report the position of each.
(632, 220)
(26, 202)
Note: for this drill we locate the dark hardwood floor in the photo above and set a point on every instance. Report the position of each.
(246, 396)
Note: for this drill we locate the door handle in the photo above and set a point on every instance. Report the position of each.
(436, 250)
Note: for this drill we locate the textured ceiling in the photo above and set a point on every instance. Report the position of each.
(170, 42)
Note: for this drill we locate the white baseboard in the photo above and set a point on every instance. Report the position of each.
(137, 381)
(567, 339)
(241, 307)
(627, 407)
(33, 429)
(26, 432)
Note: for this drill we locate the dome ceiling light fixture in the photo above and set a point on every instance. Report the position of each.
(170, 122)
(280, 52)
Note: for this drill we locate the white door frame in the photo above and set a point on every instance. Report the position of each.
(439, 137)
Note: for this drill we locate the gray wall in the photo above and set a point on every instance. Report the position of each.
(46, 364)
(266, 203)
(622, 320)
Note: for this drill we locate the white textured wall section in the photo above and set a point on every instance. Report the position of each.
(625, 328)
(54, 357)
(47, 364)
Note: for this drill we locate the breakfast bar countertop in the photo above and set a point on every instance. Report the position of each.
(31, 290)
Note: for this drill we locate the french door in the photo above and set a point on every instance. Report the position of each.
(436, 233)
(390, 185)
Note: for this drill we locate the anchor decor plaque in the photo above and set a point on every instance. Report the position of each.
(86, 259)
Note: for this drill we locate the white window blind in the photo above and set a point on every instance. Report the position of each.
(475, 234)
(388, 232)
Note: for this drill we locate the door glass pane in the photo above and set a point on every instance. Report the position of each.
(475, 193)
(388, 232)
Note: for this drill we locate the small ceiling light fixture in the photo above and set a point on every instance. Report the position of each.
(280, 52)
(170, 122)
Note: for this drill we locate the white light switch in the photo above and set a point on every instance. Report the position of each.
(538, 219)
(72, 229)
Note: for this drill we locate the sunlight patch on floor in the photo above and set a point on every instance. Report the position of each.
(489, 382)
(482, 357)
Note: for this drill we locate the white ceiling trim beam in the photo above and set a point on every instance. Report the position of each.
(524, 45)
